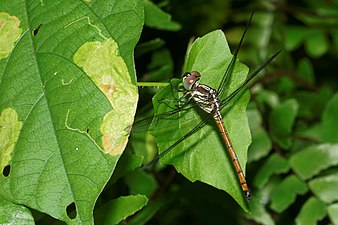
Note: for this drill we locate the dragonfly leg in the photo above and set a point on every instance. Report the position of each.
(178, 101)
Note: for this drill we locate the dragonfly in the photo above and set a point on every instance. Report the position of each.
(207, 99)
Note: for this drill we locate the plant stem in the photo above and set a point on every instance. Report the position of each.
(151, 84)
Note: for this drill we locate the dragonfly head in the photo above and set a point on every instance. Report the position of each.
(190, 80)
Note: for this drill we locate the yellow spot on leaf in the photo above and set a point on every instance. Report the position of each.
(107, 69)
(10, 128)
(9, 33)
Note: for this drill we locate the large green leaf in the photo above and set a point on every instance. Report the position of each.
(204, 156)
(67, 84)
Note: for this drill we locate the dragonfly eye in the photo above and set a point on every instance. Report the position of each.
(190, 79)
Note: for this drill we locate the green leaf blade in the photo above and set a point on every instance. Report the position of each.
(286, 192)
(275, 164)
(305, 166)
(332, 210)
(14, 214)
(325, 187)
(281, 121)
(156, 18)
(204, 156)
(312, 211)
(328, 126)
(117, 210)
(58, 158)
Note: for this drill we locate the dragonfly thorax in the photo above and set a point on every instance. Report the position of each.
(206, 97)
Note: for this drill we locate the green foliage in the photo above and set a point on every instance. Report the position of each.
(312, 212)
(68, 74)
(210, 56)
(285, 193)
(11, 213)
(117, 210)
(64, 80)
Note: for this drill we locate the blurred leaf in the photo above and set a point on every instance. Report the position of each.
(281, 121)
(329, 124)
(211, 207)
(310, 161)
(126, 164)
(54, 82)
(156, 18)
(295, 36)
(325, 187)
(316, 44)
(332, 210)
(275, 164)
(210, 55)
(117, 210)
(148, 46)
(201, 16)
(148, 212)
(312, 104)
(261, 144)
(14, 214)
(267, 97)
(286, 192)
(258, 211)
(335, 38)
(141, 183)
(254, 116)
(161, 66)
(326, 14)
(312, 211)
(285, 85)
(305, 70)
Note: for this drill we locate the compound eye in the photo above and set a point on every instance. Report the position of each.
(186, 74)
(195, 74)
(189, 79)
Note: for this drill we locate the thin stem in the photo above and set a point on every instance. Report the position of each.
(151, 84)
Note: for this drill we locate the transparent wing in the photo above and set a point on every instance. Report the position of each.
(248, 79)
(143, 125)
(184, 137)
(231, 66)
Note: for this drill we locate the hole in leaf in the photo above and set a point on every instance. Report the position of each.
(6, 170)
(87, 130)
(36, 30)
(71, 210)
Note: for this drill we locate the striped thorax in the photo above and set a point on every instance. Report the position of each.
(205, 96)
